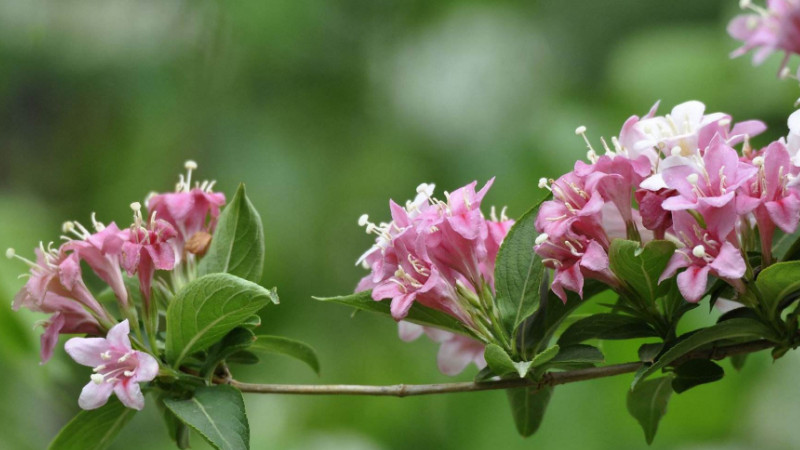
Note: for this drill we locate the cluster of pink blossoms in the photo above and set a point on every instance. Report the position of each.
(442, 255)
(691, 187)
(56, 286)
(767, 30)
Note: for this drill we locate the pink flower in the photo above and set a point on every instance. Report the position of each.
(440, 254)
(574, 258)
(55, 280)
(707, 251)
(769, 195)
(456, 351)
(101, 251)
(148, 249)
(189, 209)
(711, 181)
(775, 29)
(117, 367)
(68, 317)
(686, 131)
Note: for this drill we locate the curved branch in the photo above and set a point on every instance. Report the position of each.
(549, 379)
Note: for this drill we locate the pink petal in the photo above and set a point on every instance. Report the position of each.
(678, 260)
(785, 212)
(130, 394)
(401, 305)
(729, 262)
(95, 395)
(118, 336)
(595, 258)
(147, 368)
(692, 283)
(86, 351)
(49, 338)
(409, 331)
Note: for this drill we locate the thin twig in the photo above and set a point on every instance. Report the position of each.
(549, 379)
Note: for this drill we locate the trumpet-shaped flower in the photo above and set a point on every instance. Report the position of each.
(456, 351)
(776, 28)
(189, 209)
(117, 368)
(148, 249)
(101, 251)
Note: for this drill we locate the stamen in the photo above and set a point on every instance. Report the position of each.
(98, 226)
(137, 214)
(699, 251)
(10, 253)
(581, 131)
(692, 178)
(676, 151)
(541, 238)
(97, 378)
(363, 220)
(128, 373)
(106, 355)
(189, 166)
(758, 161)
(99, 368)
(543, 184)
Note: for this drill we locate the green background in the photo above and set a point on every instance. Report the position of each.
(326, 109)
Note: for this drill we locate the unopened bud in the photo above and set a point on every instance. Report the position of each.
(198, 244)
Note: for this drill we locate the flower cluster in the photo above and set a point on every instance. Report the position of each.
(440, 254)
(767, 30)
(159, 241)
(691, 187)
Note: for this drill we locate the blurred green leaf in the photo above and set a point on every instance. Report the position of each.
(418, 314)
(694, 373)
(207, 309)
(528, 406)
(606, 326)
(647, 403)
(237, 246)
(578, 353)
(217, 413)
(289, 347)
(95, 429)
(778, 282)
(518, 272)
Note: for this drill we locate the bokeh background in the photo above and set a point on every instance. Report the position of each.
(326, 109)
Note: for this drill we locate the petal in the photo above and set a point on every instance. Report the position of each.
(130, 394)
(49, 338)
(409, 331)
(86, 351)
(95, 395)
(456, 353)
(785, 212)
(692, 283)
(118, 336)
(401, 305)
(147, 368)
(678, 260)
(729, 263)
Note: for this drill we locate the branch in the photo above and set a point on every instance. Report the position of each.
(549, 379)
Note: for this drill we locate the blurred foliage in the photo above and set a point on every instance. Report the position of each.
(325, 110)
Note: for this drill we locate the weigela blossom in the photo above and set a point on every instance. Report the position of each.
(771, 29)
(442, 255)
(117, 368)
(189, 209)
(691, 186)
(148, 248)
(456, 351)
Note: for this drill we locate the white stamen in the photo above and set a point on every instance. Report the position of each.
(190, 165)
(744, 4)
(758, 161)
(580, 130)
(128, 373)
(699, 251)
(99, 368)
(692, 178)
(124, 357)
(136, 207)
(363, 220)
(591, 156)
(67, 227)
(97, 378)
(98, 226)
(543, 183)
(106, 355)
(541, 238)
(676, 151)
(10, 253)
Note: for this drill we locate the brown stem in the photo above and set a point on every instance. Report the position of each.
(549, 379)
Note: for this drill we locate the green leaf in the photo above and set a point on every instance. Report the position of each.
(207, 309)
(639, 268)
(578, 353)
(528, 405)
(237, 246)
(94, 429)
(499, 361)
(694, 373)
(647, 403)
(777, 283)
(518, 272)
(418, 314)
(288, 347)
(729, 329)
(606, 326)
(545, 356)
(240, 338)
(217, 413)
(535, 332)
(649, 352)
(737, 361)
